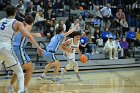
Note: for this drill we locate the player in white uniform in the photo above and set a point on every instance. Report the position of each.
(70, 46)
(8, 26)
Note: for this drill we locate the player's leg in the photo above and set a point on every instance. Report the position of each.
(12, 61)
(28, 74)
(76, 69)
(57, 66)
(47, 68)
(67, 67)
(20, 76)
(51, 59)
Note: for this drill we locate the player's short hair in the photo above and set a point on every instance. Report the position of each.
(29, 19)
(59, 29)
(76, 33)
(10, 10)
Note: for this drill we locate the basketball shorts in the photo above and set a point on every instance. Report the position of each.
(8, 56)
(21, 55)
(49, 56)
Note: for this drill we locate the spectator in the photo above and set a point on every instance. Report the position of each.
(39, 16)
(81, 23)
(26, 3)
(19, 16)
(91, 44)
(61, 23)
(124, 25)
(74, 24)
(119, 48)
(29, 8)
(83, 43)
(50, 15)
(138, 37)
(89, 28)
(124, 45)
(106, 13)
(48, 28)
(106, 34)
(58, 6)
(110, 47)
(131, 37)
(21, 8)
(120, 15)
(68, 22)
(98, 39)
(96, 23)
(49, 5)
(96, 12)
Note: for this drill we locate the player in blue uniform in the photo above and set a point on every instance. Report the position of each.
(19, 44)
(49, 53)
(8, 27)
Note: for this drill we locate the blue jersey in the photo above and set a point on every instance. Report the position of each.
(55, 42)
(19, 44)
(20, 41)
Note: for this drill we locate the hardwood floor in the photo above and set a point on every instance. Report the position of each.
(109, 81)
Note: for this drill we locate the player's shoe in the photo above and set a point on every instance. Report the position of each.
(43, 77)
(62, 72)
(10, 89)
(79, 77)
(58, 81)
(21, 91)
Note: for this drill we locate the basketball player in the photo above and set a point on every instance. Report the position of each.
(49, 53)
(70, 46)
(19, 44)
(8, 26)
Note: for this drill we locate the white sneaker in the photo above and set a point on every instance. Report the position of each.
(43, 77)
(115, 58)
(111, 58)
(92, 53)
(62, 73)
(19, 91)
(97, 52)
(58, 81)
(79, 77)
(10, 89)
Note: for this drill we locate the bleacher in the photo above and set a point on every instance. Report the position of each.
(98, 61)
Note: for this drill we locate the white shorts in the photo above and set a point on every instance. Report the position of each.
(8, 56)
(69, 56)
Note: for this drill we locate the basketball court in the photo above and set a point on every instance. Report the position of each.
(94, 81)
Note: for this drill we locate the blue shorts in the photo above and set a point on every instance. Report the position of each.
(49, 56)
(21, 55)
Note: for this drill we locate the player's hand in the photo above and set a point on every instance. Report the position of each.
(39, 51)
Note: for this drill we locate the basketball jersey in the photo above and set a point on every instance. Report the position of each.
(19, 41)
(55, 42)
(6, 32)
(73, 47)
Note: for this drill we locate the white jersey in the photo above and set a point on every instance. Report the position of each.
(73, 47)
(6, 32)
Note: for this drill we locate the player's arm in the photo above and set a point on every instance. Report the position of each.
(70, 31)
(24, 31)
(78, 51)
(64, 45)
(39, 35)
(36, 35)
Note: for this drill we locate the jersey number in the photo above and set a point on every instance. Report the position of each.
(3, 26)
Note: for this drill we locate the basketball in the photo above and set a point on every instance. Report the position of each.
(83, 59)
